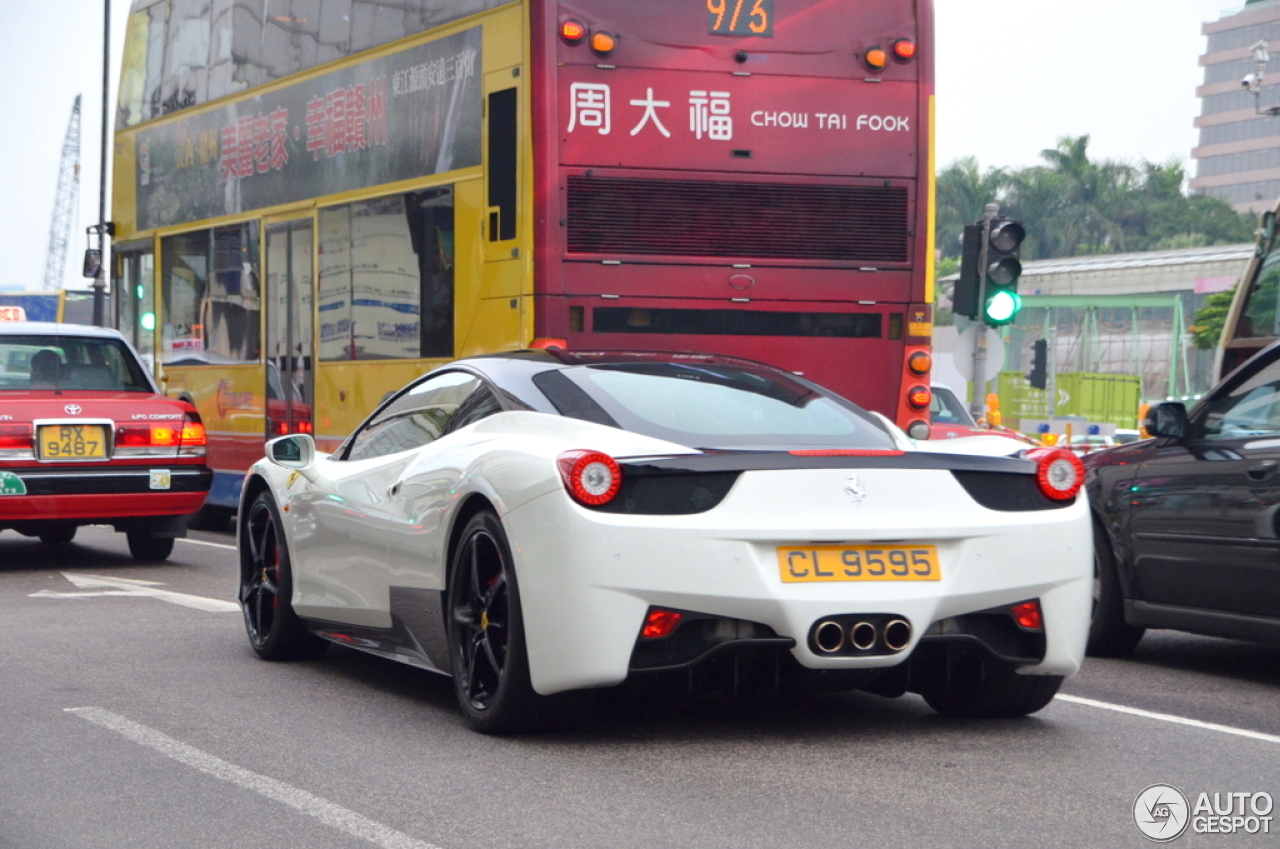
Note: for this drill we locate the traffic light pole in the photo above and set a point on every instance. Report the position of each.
(977, 407)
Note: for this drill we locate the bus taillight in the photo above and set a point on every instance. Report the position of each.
(919, 363)
(573, 31)
(876, 58)
(916, 398)
(904, 50)
(602, 43)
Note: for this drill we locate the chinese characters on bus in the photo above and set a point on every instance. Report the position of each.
(347, 120)
(255, 144)
(590, 106)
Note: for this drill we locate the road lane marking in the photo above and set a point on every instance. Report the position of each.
(333, 815)
(103, 585)
(204, 542)
(1168, 717)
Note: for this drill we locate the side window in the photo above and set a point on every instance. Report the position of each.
(417, 416)
(1251, 409)
(480, 404)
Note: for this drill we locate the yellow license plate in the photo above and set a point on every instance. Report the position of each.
(73, 442)
(802, 564)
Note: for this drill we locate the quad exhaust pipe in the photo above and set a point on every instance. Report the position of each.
(852, 636)
(897, 634)
(829, 636)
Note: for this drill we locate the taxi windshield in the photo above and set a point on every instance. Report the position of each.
(69, 363)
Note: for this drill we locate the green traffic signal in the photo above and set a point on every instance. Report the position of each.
(1002, 306)
(1001, 303)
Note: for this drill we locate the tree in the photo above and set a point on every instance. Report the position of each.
(1072, 205)
(1206, 328)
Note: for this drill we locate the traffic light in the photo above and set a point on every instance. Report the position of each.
(1038, 377)
(1001, 303)
(964, 297)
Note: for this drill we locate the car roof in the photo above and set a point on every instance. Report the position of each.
(52, 328)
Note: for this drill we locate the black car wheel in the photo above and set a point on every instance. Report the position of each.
(266, 587)
(1109, 635)
(979, 687)
(487, 651)
(147, 548)
(58, 534)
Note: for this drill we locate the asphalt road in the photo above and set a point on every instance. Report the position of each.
(134, 714)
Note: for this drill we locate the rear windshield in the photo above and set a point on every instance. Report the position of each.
(712, 406)
(65, 363)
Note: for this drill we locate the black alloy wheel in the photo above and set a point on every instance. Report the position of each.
(275, 632)
(480, 605)
(487, 651)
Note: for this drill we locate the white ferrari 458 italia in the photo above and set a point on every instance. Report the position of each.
(542, 524)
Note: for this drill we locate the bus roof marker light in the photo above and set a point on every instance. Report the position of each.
(876, 59)
(602, 43)
(573, 31)
(904, 49)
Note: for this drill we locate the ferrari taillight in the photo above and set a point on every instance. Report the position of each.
(1059, 472)
(593, 478)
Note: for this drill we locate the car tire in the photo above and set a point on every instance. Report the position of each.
(58, 534)
(266, 588)
(147, 548)
(487, 650)
(979, 688)
(1109, 634)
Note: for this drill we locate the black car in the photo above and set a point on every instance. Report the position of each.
(1187, 524)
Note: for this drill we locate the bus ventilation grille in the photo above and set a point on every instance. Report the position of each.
(719, 219)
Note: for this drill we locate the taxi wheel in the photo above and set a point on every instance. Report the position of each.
(266, 587)
(58, 534)
(979, 688)
(147, 548)
(1109, 634)
(487, 650)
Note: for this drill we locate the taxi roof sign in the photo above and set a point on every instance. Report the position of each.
(13, 314)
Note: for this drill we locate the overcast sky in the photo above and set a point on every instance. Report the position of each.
(1014, 76)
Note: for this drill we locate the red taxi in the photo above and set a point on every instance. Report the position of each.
(86, 438)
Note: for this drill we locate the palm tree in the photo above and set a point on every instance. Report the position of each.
(964, 191)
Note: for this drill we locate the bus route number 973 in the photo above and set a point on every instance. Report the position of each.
(740, 17)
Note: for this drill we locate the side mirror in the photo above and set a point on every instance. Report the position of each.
(92, 262)
(296, 451)
(1167, 419)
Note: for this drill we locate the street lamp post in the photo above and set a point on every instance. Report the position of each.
(104, 227)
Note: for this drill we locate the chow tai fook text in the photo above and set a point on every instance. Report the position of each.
(710, 114)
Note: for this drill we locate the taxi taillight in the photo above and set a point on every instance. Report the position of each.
(16, 436)
(187, 437)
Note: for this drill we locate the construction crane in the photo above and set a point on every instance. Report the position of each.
(64, 202)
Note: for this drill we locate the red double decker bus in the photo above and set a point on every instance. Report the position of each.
(312, 208)
(749, 177)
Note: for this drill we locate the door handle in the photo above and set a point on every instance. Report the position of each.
(1264, 470)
